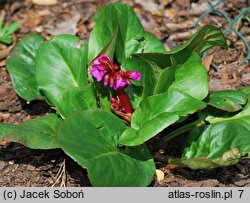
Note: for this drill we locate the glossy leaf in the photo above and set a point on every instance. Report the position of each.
(205, 38)
(216, 145)
(38, 133)
(90, 138)
(152, 44)
(139, 90)
(164, 81)
(130, 32)
(157, 112)
(22, 68)
(189, 76)
(61, 64)
(104, 34)
(227, 100)
(75, 99)
(7, 31)
(122, 32)
(223, 142)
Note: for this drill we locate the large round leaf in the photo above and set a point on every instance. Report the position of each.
(223, 142)
(61, 64)
(219, 144)
(22, 68)
(157, 112)
(90, 138)
(38, 133)
(75, 99)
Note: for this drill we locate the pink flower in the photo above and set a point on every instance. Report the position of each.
(134, 75)
(101, 66)
(112, 75)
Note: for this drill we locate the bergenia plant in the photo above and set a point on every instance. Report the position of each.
(122, 92)
(7, 31)
(117, 79)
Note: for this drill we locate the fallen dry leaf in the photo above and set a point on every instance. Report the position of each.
(152, 6)
(45, 2)
(207, 61)
(183, 3)
(2, 63)
(66, 27)
(33, 19)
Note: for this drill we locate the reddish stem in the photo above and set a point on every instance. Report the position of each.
(124, 99)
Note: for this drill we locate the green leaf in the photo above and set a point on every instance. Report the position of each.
(164, 81)
(190, 75)
(75, 99)
(246, 108)
(157, 112)
(152, 44)
(104, 33)
(6, 128)
(38, 133)
(225, 141)
(61, 64)
(122, 33)
(5, 33)
(9, 29)
(217, 145)
(22, 68)
(130, 32)
(90, 138)
(205, 38)
(6, 39)
(139, 90)
(187, 75)
(246, 90)
(227, 100)
(103, 95)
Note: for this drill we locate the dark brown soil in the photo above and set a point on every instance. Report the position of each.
(172, 21)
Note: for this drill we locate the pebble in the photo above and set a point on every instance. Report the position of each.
(159, 175)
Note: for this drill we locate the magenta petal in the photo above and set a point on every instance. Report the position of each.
(97, 62)
(97, 74)
(105, 83)
(135, 76)
(120, 83)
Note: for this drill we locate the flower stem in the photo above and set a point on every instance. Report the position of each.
(124, 99)
(183, 129)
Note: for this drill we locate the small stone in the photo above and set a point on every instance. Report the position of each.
(240, 180)
(11, 162)
(159, 175)
(210, 183)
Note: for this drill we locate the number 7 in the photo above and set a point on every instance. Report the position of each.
(241, 192)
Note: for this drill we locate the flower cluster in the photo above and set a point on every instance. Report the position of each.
(116, 105)
(112, 75)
